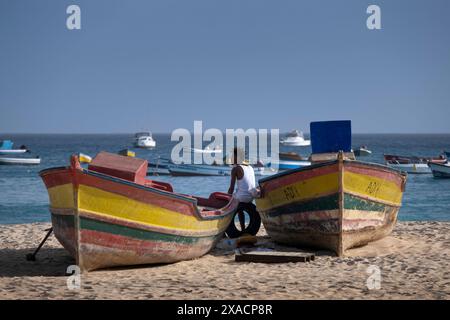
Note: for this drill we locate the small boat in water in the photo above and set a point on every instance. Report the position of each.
(336, 204)
(6, 147)
(294, 156)
(144, 140)
(110, 215)
(295, 139)
(207, 150)
(19, 161)
(362, 152)
(287, 165)
(210, 170)
(414, 159)
(413, 164)
(412, 168)
(160, 168)
(440, 170)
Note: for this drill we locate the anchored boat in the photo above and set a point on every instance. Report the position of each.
(440, 170)
(19, 161)
(6, 147)
(335, 204)
(144, 140)
(295, 139)
(362, 151)
(412, 168)
(110, 215)
(210, 170)
(289, 164)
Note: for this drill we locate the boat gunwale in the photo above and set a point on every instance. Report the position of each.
(322, 164)
(190, 199)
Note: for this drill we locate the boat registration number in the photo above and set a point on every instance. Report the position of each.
(290, 193)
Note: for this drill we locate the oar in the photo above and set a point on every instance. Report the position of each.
(32, 256)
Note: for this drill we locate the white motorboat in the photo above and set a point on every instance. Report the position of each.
(362, 152)
(414, 168)
(440, 170)
(295, 139)
(144, 140)
(211, 170)
(289, 164)
(19, 161)
(208, 150)
(6, 147)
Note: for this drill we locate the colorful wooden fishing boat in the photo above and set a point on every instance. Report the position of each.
(110, 215)
(413, 159)
(335, 205)
(440, 170)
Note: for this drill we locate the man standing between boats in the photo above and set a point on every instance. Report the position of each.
(243, 176)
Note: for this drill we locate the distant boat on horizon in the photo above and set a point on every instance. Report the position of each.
(144, 140)
(295, 139)
(6, 147)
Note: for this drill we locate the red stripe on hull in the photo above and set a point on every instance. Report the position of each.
(102, 250)
(374, 172)
(57, 177)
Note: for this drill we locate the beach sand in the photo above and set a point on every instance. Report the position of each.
(413, 264)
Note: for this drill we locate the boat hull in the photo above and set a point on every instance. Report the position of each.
(336, 205)
(179, 170)
(20, 161)
(303, 143)
(440, 170)
(12, 151)
(412, 168)
(103, 221)
(287, 164)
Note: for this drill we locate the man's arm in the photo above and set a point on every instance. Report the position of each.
(233, 181)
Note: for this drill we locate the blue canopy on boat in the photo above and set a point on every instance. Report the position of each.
(331, 136)
(6, 145)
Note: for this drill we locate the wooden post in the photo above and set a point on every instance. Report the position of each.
(340, 250)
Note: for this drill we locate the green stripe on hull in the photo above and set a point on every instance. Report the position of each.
(64, 220)
(352, 202)
(100, 226)
(330, 202)
(326, 203)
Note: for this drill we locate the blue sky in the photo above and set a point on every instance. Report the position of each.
(160, 65)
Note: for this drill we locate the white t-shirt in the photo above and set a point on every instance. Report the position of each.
(245, 185)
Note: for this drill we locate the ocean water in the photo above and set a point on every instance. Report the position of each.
(23, 197)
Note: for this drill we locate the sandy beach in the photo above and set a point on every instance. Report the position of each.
(413, 264)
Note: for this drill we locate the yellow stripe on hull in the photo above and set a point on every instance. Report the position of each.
(300, 191)
(111, 205)
(374, 188)
(61, 197)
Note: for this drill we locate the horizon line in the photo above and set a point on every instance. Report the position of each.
(168, 133)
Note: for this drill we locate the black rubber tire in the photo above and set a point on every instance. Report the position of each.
(253, 226)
